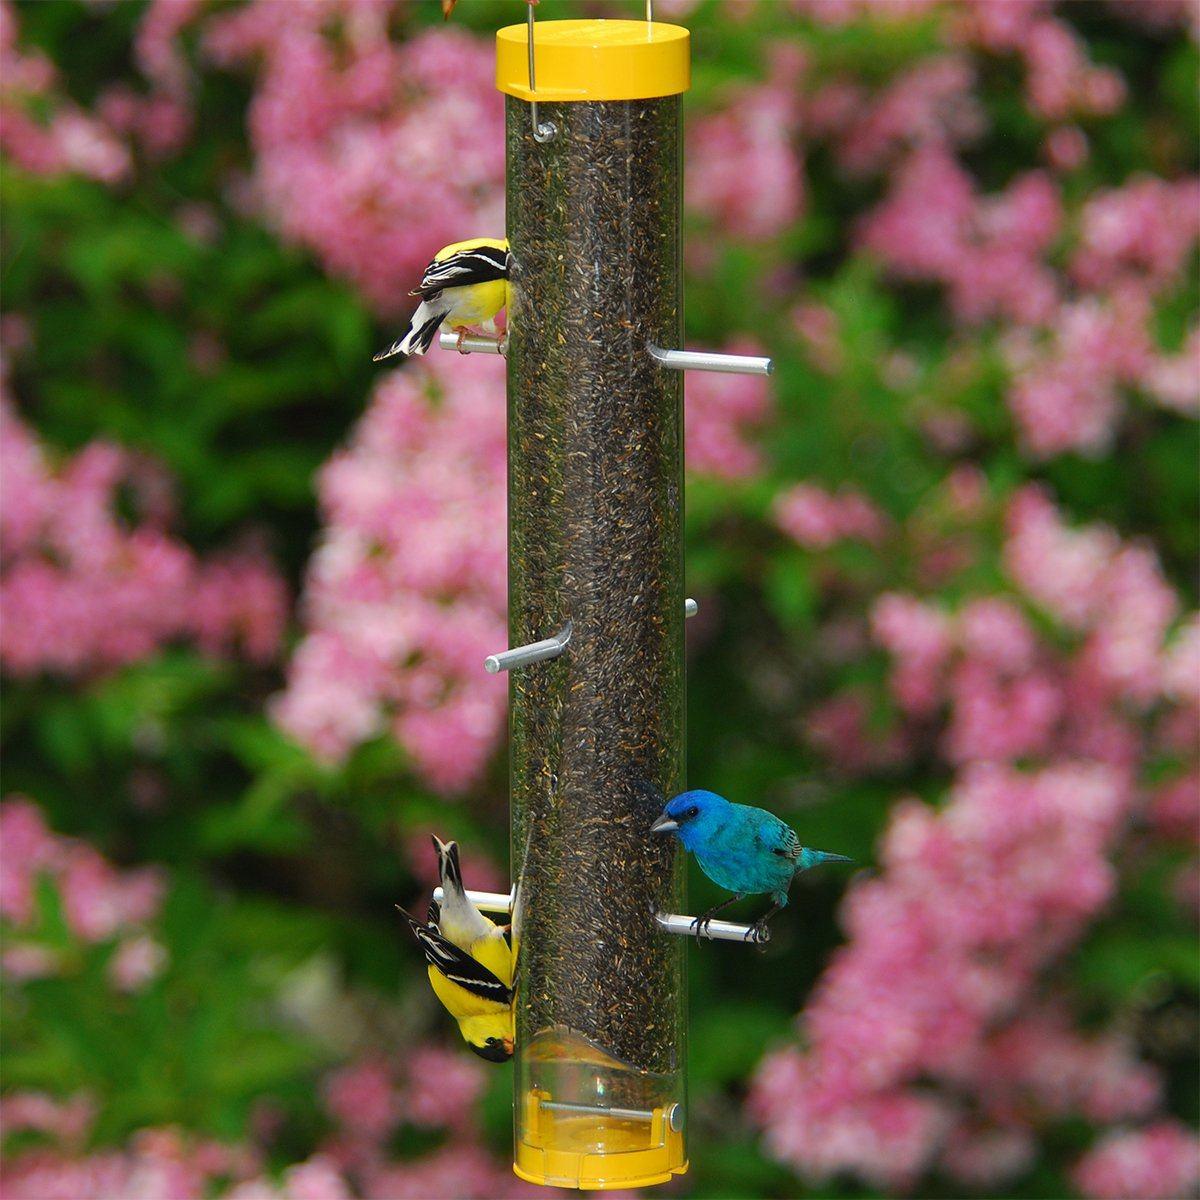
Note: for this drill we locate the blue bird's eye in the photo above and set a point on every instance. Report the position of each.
(694, 811)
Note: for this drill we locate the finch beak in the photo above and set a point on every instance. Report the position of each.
(664, 824)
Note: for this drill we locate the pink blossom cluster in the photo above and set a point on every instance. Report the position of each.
(1009, 696)
(743, 170)
(1159, 1162)
(63, 1120)
(1076, 343)
(817, 518)
(931, 1041)
(922, 1010)
(82, 591)
(1060, 81)
(932, 103)
(406, 594)
(367, 1101)
(841, 729)
(99, 903)
(40, 127)
(371, 153)
(933, 225)
(722, 415)
(844, 12)
(1110, 593)
(1079, 337)
(157, 1163)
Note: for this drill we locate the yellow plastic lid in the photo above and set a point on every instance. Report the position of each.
(594, 60)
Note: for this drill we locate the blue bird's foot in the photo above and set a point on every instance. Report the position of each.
(700, 926)
(759, 930)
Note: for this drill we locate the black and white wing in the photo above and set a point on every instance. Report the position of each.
(482, 264)
(457, 965)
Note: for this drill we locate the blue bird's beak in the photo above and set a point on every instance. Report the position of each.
(664, 824)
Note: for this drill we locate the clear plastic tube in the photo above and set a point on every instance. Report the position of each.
(597, 733)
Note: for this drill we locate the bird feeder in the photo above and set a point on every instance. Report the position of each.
(596, 595)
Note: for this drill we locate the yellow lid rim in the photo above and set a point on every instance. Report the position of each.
(594, 60)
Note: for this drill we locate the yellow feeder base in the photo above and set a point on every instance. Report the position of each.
(594, 1150)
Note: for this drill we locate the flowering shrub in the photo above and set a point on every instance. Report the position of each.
(945, 559)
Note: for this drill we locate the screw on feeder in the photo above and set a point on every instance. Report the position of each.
(543, 131)
(547, 648)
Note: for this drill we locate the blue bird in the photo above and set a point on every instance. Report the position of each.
(743, 849)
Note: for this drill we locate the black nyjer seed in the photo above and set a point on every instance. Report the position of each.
(595, 494)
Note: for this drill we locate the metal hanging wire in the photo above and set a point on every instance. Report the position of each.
(543, 131)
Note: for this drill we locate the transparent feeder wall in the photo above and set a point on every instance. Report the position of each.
(595, 499)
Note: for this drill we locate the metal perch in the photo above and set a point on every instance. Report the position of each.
(547, 648)
(677, 923)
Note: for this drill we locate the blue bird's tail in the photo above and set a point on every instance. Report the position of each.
(814, 858)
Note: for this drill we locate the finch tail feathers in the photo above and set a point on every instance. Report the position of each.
(449, 868)
(419, 335)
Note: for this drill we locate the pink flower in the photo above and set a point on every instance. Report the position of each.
(817, 519)
(99, 902)
(984, 1157)
(1066, 147)
(1173, 380)
(1147, 227)
(945, 945)
(442, 1087)
(841, 729)
(1159, 1162)
(1059, 568)
(315, 1179)
(743, 171)
(240, 598)
(66, 1121)
(723, 412)
(137, 962)
(352, 132)
(406, 595)
(363, 1099)
(918, 636)
(1181, 664)
(933, 102)
(82, 591)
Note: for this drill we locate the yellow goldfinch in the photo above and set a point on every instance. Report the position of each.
(466, 284)
(469, 962)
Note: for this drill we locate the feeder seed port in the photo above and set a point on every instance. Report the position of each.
(547, 648)
(676, 923)
(672, 360)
